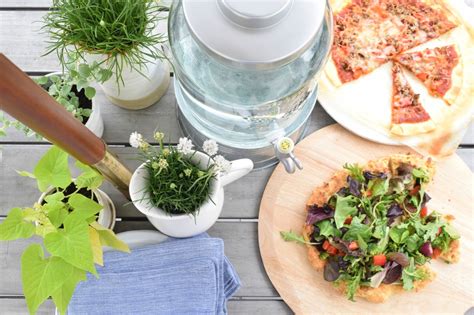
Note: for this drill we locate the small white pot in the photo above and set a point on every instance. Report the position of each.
(94, 122)
(139, 90)
(106, 215)
(187, 225)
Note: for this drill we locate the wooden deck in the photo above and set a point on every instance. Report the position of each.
(21, 41)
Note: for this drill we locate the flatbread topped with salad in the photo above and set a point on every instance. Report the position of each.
(371, 232)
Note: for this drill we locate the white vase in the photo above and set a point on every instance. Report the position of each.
(138, 90)
(106, 216)
(187, 225)
(94, 122)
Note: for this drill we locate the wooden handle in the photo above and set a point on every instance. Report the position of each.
(30, 104)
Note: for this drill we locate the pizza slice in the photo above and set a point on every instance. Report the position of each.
(438, 68)
(368, 34)
(408, 115)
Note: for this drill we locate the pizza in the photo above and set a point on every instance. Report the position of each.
(408, 114)
(371, 230)
(369, 33)
(439, 69)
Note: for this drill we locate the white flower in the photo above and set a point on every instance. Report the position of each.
(135, 139)
(222, 164)
(185, 146)
(162, 164)
(210, 147)
(159, 136)
(187, 172)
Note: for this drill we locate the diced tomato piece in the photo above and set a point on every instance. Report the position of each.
(424, 212)
(332, 250)
(436, 252)
(368, 193)
(440, 230)
(353, 245)
(348, 220)
(422, 76)
(415, 190)
(380, 260)
(326, 245)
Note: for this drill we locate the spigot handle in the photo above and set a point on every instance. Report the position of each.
(284, 152)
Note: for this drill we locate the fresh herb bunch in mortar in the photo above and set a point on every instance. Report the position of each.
(122, 30)
(175, 184)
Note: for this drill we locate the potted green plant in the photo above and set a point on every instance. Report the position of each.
(73, 91)
(122, 37)
(180, 190)
(66, 218)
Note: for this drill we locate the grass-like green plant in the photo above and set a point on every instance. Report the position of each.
(122, 30)
(175, 184)
(66, 220)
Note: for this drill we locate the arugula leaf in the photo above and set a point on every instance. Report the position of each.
(355, 171)
(399, 234)
(358, 229)
(378, 187)
(362, 243)
(293, 237)
(410, 274)
(383, 242)
(353, 285)
(421, 173)
(413, 242)
(327, 229)
(345, 206)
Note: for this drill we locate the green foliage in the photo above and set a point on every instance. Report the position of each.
(291, 236)
(125, 31)
(385, 219)
(175, 184)
(345, 206)
(66, 219)
(64, 89)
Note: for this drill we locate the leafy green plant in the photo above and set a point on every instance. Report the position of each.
(175, 184)
(66, 221)
(122, 30)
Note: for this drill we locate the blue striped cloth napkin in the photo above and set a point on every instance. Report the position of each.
(178, 276)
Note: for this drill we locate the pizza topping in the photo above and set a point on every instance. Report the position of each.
(372, 249)
(406, 106)
(370, 33)
(433, 66)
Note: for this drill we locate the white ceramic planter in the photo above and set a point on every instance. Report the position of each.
(106, 216)
(94, 122)
(187, 225)
(140, 90)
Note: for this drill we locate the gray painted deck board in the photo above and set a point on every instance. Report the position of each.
(17, 306)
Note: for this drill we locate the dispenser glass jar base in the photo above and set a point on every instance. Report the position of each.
(233, 143)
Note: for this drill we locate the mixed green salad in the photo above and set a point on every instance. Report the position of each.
(377, 229)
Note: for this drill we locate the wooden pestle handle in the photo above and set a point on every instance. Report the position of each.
(30, 104)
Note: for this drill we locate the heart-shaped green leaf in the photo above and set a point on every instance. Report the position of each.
(72, 243)
(97, 251)
(41, 277)
(108, 238)
(15, 227)
(83, 206)
(63, 295)
(56, 212)
(53, 170)
(90, 178)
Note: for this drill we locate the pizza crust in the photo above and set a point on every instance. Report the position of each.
(321, 194)
(331, 72)
(412, 129)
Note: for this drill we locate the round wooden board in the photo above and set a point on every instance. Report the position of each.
(283, 209)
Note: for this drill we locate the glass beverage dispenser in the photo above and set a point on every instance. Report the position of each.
(246, 72)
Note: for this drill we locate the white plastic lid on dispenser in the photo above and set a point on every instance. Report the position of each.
(258, 34)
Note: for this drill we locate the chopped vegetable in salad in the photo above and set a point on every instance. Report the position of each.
(377, 229)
